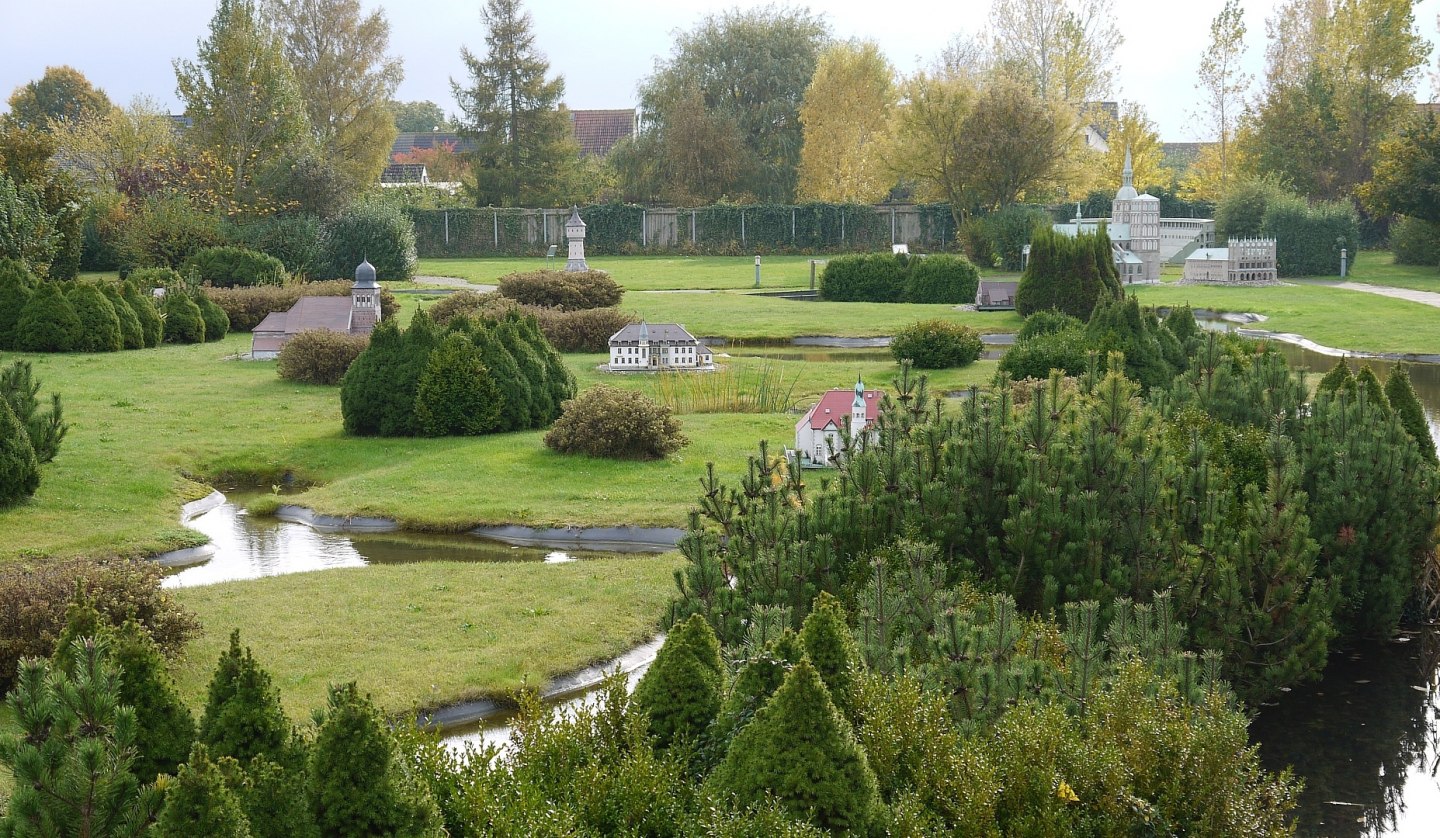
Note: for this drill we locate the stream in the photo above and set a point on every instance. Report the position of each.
(1366, 738)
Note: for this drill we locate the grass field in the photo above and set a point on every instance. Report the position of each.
(427, 634)
(1377, 267)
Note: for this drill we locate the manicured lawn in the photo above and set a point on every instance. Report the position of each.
(647, 273)
(430, 633)
(1377, 267)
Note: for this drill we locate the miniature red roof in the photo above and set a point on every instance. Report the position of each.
(834, 406)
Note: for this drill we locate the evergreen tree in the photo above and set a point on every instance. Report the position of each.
(1406, 405)
(99, 324)
(1338, 377)
(217, 322)
(198, 802)
(45, 429)
(144, 307)
(71, 758)
(366, 386)
(165, 728)
(16, 287)
(1066, 273)
(1119, 325)
(1366, 380)
(760, 675)
(561, 380)
(515, 398)
(543, 408)
(456, 394)
(132, 335)
(801, 751)
(183, 322)
(524, 144)
(358, 786)
(832, 650)
(242, 716)
(19, 470)
(48, 322)
(680, 693)
(276, 797)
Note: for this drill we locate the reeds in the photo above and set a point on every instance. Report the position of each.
(762, 389)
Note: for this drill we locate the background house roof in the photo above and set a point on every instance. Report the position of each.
(598, 131)
(408, 141)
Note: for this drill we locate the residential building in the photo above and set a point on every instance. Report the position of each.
(821, 432)
(655, 347)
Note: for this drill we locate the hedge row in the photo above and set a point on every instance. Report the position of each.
(74, 316)
(587, 330)
(887, 278)
(720, 229)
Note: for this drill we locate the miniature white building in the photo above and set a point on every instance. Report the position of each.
(652, 347)
(818, 433)
(355, 316)
(1248, 261)
(575, 242)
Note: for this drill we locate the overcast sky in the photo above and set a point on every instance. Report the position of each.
(604, 48)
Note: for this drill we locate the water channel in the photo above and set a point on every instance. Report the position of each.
(1366, 738)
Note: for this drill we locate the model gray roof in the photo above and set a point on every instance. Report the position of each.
(660, 333)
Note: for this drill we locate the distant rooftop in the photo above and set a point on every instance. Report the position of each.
(598, 131)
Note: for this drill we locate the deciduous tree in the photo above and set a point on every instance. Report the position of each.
(1407, 173)
(62, 95)
(1223, 83)
(846, 119)
(419, 116)
(1060, 49)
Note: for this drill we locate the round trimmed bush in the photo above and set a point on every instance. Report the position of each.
(382, 234)
(936, 344)
(183, 321)
(217, 322)
(132, 334)
(165, 233)
(864, 278)
(319, 356)
(48, 322)
(567, 291)
(607, 421)
(144, 307)
(942, 278)
(99, 324)
(229, 266)
(16, 287)
(1065, 350)
(19, 470)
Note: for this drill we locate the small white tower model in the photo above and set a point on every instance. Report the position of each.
(575, 242)
(858, 410)
(644, 346)
(364, 298)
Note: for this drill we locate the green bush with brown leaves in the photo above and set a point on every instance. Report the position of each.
(607, 421)
(565, 290)
(246, 307)
(319, 356)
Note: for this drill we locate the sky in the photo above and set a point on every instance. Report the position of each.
(604, 48)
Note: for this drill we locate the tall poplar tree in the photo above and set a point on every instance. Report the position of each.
(846, 115)
(512, 108)
(1222, 83)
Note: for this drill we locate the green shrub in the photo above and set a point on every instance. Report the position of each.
(198, 802)
(543, 407)
(942, 278)
(246, 307)
(1123, 326)
(607, 421)
(243, 718)
(680, 693)
(1008, 231)
(1065, 350)
(1241, 213)
(936, 344)
(48, 323)
(296, 240)
(456, 394)
(1401, 395)
(151, 326)
(217, 322)
(1415, 242)
(35, 598)
(16, 287)
(319, 356)
(1309, 237)
(100, 232)
(19, 470)
(132, 334)
(229, 266)
(377, 395)
(183, 321)
(975, 240)
(864, 277)
(45, 429)
(1067, 273)
(164, 233)
(516, 396)
(99, 324)
(376, 232)
(567, 291)
(148, 279)
(586, 330)
(557, 375)
(829, 645)
(1044, 323)
(801, 751)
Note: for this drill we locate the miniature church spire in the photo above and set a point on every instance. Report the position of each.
(1127, 179)
(859, 392)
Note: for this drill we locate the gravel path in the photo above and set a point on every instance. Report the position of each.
(1429, 298)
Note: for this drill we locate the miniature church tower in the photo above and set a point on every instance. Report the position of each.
(1140, 213)
(575, 242)
(858, 411)
(364, 299)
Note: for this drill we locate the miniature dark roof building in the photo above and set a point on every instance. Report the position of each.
(597, 131)
(355, 313)
(656, 334)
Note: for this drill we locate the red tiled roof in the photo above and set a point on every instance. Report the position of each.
(834, 406)
(599, 131)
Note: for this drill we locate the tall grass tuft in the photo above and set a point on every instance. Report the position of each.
(763, 389)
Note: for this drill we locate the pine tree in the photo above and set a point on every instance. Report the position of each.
(366, 386)
(276, 797)
(16, 288)
(456, 394)
(543, 408)
(562, 381)
(515, 397)
(183, 322)
(198, 802)
(99, 324)
(680, 694)
(145, 311)
(1406, 405)
(801, 751)
(358, 786)
(1366, 380)
(832, 650)
(19, 470)
(45, 428)
(71, 758)
(132, 335)
(48, 322)
(217, 322)
(165, 727)
(242, 716)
